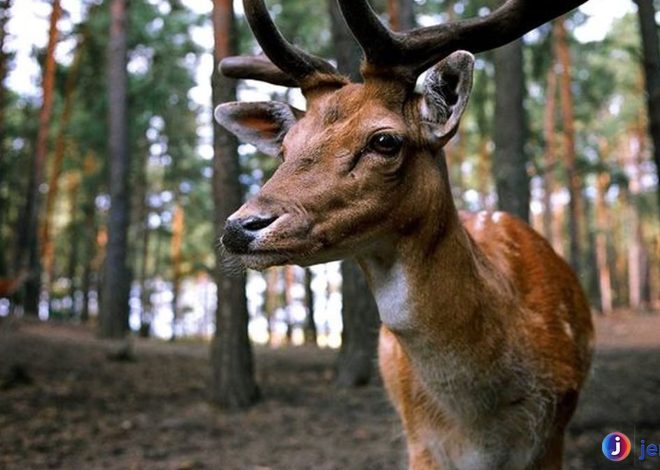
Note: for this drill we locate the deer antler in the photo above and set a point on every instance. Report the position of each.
(415, 51)
(285, 63)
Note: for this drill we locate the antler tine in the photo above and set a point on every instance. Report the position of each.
(292, 61)
(417, 50)
(256, 68)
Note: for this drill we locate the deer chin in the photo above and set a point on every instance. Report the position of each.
(302, 253)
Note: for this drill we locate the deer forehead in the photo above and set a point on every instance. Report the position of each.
(344, 119)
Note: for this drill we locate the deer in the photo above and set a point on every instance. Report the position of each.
(10, 285)
(486, 336)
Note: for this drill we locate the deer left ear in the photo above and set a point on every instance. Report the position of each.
(263, 124)
(446, 91)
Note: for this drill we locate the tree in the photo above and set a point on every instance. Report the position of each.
(509, 131)
(648, 27)
(5, 6)
(28, 249)
(117, 276)
(359, 311)
(233, 383)
(309, 329)
(562, 54)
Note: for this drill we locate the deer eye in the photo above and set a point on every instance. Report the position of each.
(386, 143)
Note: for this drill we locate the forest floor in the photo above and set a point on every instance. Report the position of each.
(67, 402)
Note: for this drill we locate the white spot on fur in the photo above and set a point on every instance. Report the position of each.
(568, 329)
(481, 220)
(497, 217)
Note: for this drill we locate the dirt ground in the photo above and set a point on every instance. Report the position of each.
(65, 404)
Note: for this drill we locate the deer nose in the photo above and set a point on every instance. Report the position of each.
(241, 231)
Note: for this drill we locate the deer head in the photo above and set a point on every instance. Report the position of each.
(363, 166)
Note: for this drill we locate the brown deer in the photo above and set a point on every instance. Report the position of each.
(10, 285)
(486, 336)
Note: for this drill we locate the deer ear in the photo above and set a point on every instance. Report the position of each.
(446, 91)
(262, 124)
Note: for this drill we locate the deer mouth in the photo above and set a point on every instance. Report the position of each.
(265, 242)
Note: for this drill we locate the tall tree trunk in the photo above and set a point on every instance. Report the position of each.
(5, 6)
(651, 53)
(509, 161)
(402, 14)
(272, 299)
(30, 255)
(117, 275)
(347, 51)
(233, 383)
(74, 237)
(90, 252)
(47, 249)
(602, 229)
(289, 278)
(359, 337)
(563, 57)
(549, 158)
(310, 323)
(359, 311)
(178, 226)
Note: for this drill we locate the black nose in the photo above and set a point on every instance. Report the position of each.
(240, 232)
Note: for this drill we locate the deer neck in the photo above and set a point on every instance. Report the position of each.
(445, 303)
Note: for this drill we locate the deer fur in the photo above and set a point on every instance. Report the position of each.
(486, 336)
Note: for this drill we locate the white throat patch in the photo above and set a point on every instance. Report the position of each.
(392, 295)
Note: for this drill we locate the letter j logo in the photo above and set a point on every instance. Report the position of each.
(616, 446)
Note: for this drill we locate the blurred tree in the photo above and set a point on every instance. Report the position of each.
(359, 312)
(310, 323)
(47, 248)
(509, 131)
(28, 248)
(401, 14)
(563, 57)
(5, 6)
(178, 227)
(233, 384)
(648, 26)
(117, 276)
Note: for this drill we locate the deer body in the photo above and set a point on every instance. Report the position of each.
(9, 286)
(486, 336)
(484, 370)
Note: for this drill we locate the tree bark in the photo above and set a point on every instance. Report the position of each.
(310, 323)
(271, 299)
(563, 57)
(117, 276)
(74, 237)
(359, 337)
(178, 226)
(402, 14)
(648, 27)
(509, 132)
(359, 311)
(602, 229)
(233, 383)
(289, 278)
(30, 254)
(47, 249)
(5, 6)
(347, 51)
(549, 158)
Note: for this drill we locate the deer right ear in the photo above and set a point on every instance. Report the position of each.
(446, 91)
(262, 124)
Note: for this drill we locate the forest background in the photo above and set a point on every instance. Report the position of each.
(110, 101)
